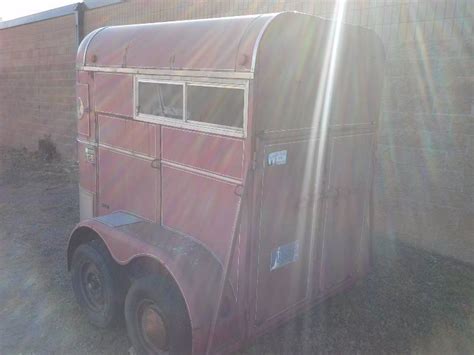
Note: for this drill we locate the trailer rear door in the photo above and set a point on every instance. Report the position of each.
(285, 222)
(313, 238)
(344, 228)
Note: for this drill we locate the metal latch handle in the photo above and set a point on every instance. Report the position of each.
(155, 164)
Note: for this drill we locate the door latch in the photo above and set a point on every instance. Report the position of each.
(89, 153)
(155, 164)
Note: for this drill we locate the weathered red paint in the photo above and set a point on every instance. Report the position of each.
(116, 101)
(121, 133)
(304, 231)
(189, 200)
(127, 183)
(216, 154)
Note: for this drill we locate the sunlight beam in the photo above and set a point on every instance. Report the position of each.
(320, 119)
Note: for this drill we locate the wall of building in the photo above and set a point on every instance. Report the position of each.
(37, 93)
(425, 176)
(425, 170)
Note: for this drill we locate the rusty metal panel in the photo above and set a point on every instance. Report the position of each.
(201, 206)
(221, 44)
(113, 93)
(134, 136)
(217, 154)
(127, 183)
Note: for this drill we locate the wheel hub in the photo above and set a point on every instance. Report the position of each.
(153, 327)
(94, 289)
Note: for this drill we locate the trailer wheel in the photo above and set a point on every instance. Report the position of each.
(96, 283)
(156, 317)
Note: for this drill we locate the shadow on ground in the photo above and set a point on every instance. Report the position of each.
(412, 301)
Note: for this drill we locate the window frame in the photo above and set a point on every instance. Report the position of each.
(144, 116)
(183, 122)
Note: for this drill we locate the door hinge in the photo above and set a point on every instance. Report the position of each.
(254, 161)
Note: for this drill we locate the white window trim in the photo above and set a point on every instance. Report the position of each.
(165, 119)
(193, 125)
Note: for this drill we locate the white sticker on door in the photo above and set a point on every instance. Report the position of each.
(277, 158)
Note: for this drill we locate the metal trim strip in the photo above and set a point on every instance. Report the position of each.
(126, 152)
(201, 172)
(170, 72)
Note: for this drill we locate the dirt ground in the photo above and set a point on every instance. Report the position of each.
(412, 301)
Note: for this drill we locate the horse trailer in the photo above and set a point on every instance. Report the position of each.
(226, 171)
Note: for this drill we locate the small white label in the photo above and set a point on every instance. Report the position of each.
(284, 255)
(89, 152)
(277, 158)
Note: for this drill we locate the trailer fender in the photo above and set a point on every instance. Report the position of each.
(195, 270)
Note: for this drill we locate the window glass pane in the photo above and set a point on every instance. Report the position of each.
(165, 100)
(222, 106)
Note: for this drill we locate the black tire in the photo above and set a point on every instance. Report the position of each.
(96, 283)
(155, 303)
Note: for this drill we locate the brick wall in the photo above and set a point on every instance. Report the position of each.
(37, 94)
(425, 170)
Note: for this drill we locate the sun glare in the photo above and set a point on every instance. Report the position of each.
(321, 111)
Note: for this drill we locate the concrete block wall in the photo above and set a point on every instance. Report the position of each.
(37, 93)
(425, 176)
(425, 169)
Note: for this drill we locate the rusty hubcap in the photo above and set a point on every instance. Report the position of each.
(153, 327)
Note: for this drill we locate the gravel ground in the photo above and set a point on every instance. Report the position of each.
(413, 301)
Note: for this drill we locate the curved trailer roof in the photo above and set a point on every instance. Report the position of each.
(219, 44)
(227, 44)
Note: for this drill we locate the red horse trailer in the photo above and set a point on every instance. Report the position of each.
(226, 170)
